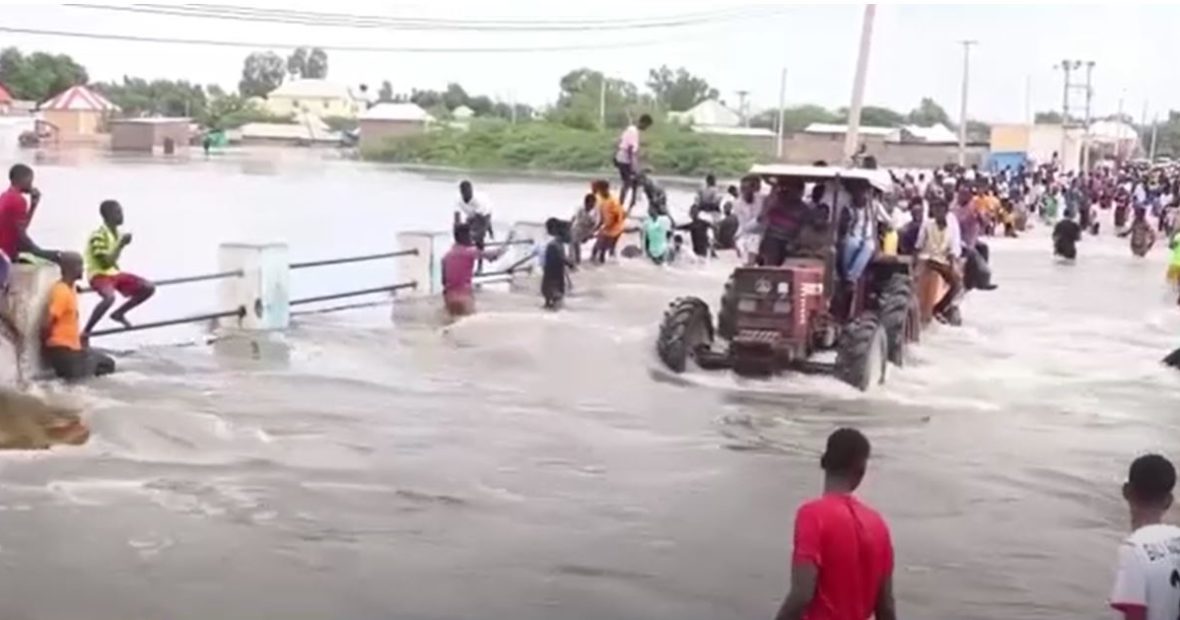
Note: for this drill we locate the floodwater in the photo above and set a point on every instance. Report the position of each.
(528, 465)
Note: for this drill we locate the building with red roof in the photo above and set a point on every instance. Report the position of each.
(78, 112)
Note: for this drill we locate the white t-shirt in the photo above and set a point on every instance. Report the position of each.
(479, 205)
(1149, 572)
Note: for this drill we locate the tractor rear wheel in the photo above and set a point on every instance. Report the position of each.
(862, 353)
(687, 328)
(727, 312)
(895, 307)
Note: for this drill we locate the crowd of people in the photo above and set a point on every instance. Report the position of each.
(64, 341)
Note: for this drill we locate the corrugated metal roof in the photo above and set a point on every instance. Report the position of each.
(396, 112)
(884, 132)
(312, 89)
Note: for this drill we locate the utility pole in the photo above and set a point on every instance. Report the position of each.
(963, 102)
(602, 101)
(782, 110)
(858, 83)
(1028, 115)
(1155, 125)
(742, 107)
(1118, 152)
(1069, 116)
(1086, 132)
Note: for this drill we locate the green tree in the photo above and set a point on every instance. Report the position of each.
(929, 113)
(317, 64)
(386, 93)
(455, 96)
(1048, 118)
(262, 72)
(678, 90)
(39, 76)
(233, 111)
(581, 95)
(875, 116)
(139, 97)
(297, 63)
(795, 118)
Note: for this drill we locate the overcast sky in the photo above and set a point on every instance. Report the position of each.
(914, 51)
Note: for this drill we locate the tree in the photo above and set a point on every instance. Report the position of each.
(581, 95)
(454, 96)
(297, 63)
(1048, 118)
(978, 131)
(795, 118)
(232, 111)
(876, 116)
(262, 72)
(929, 113)
(39, 76)
(139, 97)
(317, 64)
(385, 95)
(678, 90)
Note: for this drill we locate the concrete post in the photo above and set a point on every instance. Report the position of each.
(27, 300)
(422, 267)
(263, 289)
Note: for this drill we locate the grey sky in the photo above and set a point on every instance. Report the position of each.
(915, 53)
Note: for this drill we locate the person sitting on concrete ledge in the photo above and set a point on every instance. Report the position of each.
(62, 333)
(102, 266)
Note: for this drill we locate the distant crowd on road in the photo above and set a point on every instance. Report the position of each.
(64, 341)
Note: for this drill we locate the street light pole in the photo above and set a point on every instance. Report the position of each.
(782, 111)
(963, 103)
(858, 83)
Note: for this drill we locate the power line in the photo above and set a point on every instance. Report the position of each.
(343, 20)
(703, 15)
(329, 48)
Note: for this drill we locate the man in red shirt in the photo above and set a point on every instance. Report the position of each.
(15, 215)
(842, 567)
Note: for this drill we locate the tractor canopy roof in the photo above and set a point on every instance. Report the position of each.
(879, 179)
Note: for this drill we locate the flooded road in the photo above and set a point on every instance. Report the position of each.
(530, 465)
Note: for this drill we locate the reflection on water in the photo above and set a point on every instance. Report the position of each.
(541, 465)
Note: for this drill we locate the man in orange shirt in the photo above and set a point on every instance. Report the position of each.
(62, 333)
(613, 221)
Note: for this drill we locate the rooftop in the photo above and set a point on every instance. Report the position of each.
(312, 89)
(409, 112)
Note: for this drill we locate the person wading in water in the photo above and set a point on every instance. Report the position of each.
(842, 565)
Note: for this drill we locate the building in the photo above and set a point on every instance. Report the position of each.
(78, 113)
(708, 113)
(388, 120)
(145, 135)
(1021, 143)
(934, 134)
(864, 132)
(463, 113)
(313, 96)
(308, 130)
(5, 101)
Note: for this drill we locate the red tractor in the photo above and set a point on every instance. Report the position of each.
(776, 318)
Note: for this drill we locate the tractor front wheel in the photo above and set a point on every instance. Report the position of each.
(686, 329)
(862, 353)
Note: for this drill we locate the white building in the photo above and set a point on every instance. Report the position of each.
(708, 113)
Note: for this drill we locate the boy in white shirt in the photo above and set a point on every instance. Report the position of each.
(1147, 586)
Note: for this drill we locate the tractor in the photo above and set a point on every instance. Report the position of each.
(779, 317)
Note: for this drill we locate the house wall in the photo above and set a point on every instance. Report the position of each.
(374, 132)
(147, 137)
(319, 106)
(808, 148)
(75, 124)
